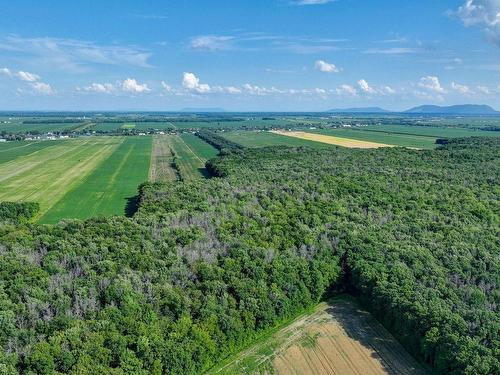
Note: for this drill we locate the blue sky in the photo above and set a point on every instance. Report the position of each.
(270, 55)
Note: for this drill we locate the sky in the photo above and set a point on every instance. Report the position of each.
(247, 55)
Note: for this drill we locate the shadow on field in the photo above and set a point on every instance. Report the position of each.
(132, 205)
(361, 326)
(205, 172)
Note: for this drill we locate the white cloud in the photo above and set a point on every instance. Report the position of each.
(431, 83)
(192, 83)
(461, 89)
(42, 88)
(211, 42)
(257, 90)
(482, 13)
(347, 90)
(131, 85)
(365, 87)
(6, 71)
(325, 67)
(103, 88)
(388, 90)
(26, 76)
(483, 90)
(72, 55)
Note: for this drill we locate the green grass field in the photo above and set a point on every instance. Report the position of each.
(190, 155)
(264, 139)
(12, 150)
(199, 146)
(46, 171)
(107, 190)
(430, 131)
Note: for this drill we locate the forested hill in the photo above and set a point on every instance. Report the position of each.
(203, 267)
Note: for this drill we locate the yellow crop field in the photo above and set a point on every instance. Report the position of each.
(344, 142)
(336, 338)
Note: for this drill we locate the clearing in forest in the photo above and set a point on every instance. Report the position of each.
(344, 142)
(336, 338)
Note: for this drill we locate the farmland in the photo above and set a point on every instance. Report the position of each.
(190, 155)
(44, 172)
(264, 139)
(111, 185)
(344, 142)
(335, 338)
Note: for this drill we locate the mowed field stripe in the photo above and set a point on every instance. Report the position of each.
(48, 180)
(161, 160)
(344, 142)
(108, 188)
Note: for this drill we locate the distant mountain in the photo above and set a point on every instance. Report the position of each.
(359, 110)
(465, 109)
(203, 110)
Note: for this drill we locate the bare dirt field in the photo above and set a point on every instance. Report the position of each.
(344, 142)
(337, 338)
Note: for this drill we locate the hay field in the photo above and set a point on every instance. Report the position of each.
(344, 142)
(336, 338)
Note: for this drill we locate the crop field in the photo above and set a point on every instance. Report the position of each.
(111, 185)
(344, 142)
(403, 140)
(189, 154)
(45, 171)
(264, 139)
(336, 338)
(430, 131)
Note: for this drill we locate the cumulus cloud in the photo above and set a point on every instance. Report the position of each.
(42, 88)
(365, 87)
(347, 90)
(192, 83)
(26, 76)
(484, 14)
(30, 78)
(461, 89)
(211, 42)
(6, 71)
(431, 83)
(131, 85)
(325, 67)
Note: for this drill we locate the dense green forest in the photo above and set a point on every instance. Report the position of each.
(205, 266)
